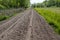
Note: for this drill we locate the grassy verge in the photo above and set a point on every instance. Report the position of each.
(4, 17)
(52, 17)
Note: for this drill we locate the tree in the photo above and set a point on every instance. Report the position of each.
(15, 3)
(53, 3)
(25, 3)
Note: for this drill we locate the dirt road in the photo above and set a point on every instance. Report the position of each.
(28, 25)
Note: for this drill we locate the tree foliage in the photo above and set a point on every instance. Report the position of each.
(25, 3)
(14, 3)
(48, 3)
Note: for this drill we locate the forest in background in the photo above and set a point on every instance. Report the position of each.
(6, 4)
(48, 3)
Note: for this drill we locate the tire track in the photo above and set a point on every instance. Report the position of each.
(6, 25)
(37, 33)
(28, 36)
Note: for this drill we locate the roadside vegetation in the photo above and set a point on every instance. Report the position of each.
(3, 17)
(6, 14)
(52, 16)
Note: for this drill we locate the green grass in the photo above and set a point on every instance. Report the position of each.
(52, 15)
(4, 16)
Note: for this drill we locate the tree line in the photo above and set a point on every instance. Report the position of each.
(14, 4)
(48, 3)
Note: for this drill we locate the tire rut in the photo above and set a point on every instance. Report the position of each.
(6, 25)
(28, 36)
